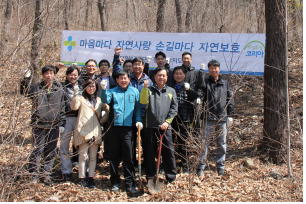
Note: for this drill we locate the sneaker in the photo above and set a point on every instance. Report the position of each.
(115, 188)
(67, 177)
(83, 183)
(131, 191)
(221, 172)
(91, 183)
(47, 180)
(200, 172)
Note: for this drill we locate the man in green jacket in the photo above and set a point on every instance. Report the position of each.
(161, 108)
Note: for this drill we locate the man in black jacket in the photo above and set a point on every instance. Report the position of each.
(47, 120)
(182, 123)
(218, 110)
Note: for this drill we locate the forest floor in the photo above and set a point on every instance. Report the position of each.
(250, 176)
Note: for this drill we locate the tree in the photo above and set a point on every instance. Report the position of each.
(102, 11)
(65, 13)
(179, 16)
(161, 16)
(275, 120)
(36, 37)
(188, 20)
(5, 28)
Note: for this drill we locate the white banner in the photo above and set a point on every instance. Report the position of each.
(238, 53)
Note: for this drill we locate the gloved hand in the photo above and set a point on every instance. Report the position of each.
(149, 58)
(75, 65)
(168, 60)
(187, 86)
(229, 121)
(76, 90)
(203, 66)
(139, 124)
(27, 73)
(198, 100)
(103, 84)
(61, 129)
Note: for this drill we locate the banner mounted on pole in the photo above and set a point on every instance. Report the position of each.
(238, 53)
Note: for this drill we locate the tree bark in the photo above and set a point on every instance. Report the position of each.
(275, 120)
(5, 28)
(102, 11)
(161, 16)
(36, 37)
(188, 20)
(179, 16)
(65, 13)
(127, 10)
(88, 2)
(135, 14)
(294, 17)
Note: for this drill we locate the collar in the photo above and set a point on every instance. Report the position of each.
(179, 86)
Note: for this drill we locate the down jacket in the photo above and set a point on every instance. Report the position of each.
(87, 125)
(218, 97)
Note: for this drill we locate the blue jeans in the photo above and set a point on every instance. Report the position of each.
(218, 128)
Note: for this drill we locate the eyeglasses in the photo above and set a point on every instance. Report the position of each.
(103, 65)
(90, 66)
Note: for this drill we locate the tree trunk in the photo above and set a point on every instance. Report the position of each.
(161, 16)
(88, 2)
(275, 120)
(294, 17)
(188, 20)
(135, 14)
(65, 13)
(260, 16)
(127, 10)
(5, 28)
(36, 37)
(102, 11)
(179, 16)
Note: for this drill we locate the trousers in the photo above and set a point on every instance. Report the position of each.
(211, 128)
(86, 149)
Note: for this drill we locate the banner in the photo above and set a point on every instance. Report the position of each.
(238, 53)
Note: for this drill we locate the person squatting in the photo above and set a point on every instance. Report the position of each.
(89, 109)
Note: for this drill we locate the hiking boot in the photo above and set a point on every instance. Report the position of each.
(47, 180)
(221, 172)
(131, 191)
(67, 177)
(83, 183)
(91, 183)
(200, 172)
(115, 188)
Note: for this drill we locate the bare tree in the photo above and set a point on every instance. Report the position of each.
(102, 11)
(161, 16)
(36, 37)
(188, 20)
(88, 4)
(274, 76)
(65, 13)
(5, 28)
(294, 17)
(179, 16)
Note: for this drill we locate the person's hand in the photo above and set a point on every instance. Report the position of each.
(203, 66)
(103, 84)
(61, 129)
(118, 50)
(187, 86)
(139, 124)
(121, 60)
(146, 83)
(75, 65)
(60, 65)
(229, 121)
(76, 90)
(149, 58)
(168, 60)
(102, 113)
(27, 73)
(198, 100)
(164, 126)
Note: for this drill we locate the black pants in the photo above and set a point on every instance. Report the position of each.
(121, 146)
(150, 146)
(106, 140)
(180, 129)
(44, 143)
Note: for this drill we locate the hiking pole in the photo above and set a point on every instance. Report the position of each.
(139, 162)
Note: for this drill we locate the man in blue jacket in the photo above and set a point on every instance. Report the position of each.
(125, 106)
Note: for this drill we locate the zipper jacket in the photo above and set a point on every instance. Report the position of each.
(124, 105)
(218, 97)
(161, 106)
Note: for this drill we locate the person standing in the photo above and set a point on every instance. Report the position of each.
(161, 108)
(218, 110)
(183, 122)
(72, 81)
(88, 133)
(47, 121)
(125, 109)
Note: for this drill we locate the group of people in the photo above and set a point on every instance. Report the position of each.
(89, 108)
